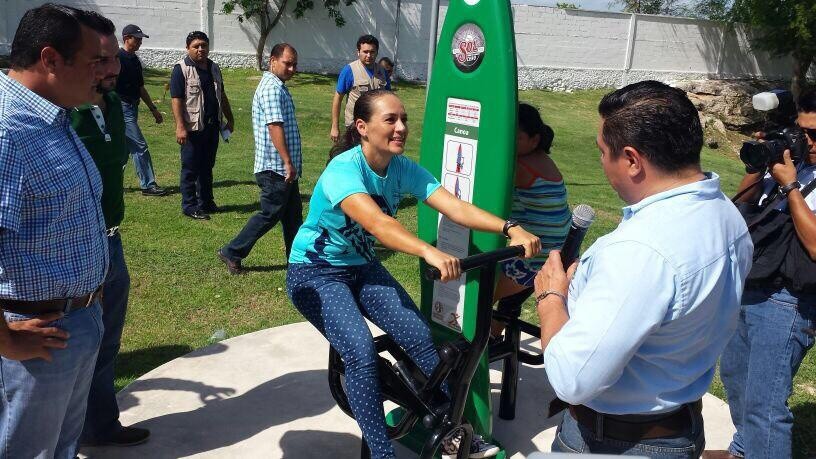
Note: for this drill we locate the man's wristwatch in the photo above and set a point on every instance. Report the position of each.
(507, 225)
(795, 185)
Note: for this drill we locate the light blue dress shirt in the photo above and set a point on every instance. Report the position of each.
(653, 304)
(272, 103)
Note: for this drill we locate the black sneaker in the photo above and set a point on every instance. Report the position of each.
(154, 190)
(126, 436)
(197, 215)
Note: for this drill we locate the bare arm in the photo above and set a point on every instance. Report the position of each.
(804, 221)
(552, 310)
(362, 209)
(335, 112)
(468, 215)
(150, 105)
(177, 104)
(278, 137)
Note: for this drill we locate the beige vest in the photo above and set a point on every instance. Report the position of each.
(362, 83)
(194, 95)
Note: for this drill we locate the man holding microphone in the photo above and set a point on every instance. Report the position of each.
(632, 333)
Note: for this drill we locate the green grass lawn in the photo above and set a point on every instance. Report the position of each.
(181, 294)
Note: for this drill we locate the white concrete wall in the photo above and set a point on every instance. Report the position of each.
(560, 49)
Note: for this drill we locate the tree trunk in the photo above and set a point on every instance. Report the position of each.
(799, 81)
(267, 23)
(259, 50)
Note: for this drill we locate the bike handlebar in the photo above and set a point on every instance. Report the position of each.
(479, 260)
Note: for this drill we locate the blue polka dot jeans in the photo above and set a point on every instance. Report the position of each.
(336, 300)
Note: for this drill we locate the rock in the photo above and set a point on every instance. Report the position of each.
(719, 126)
(728, 101)
(711, 122)
(712, 143)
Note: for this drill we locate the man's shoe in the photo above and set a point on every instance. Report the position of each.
(718, 454)
(234, 267)
(211, 208)
(154, 190)
(128, 436)
(125, 436)
(197, 215)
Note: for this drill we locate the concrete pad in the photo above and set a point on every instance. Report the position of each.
(265, 395)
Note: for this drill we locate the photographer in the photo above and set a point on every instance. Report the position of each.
(779, 302)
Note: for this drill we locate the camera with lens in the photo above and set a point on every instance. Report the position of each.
(759, 155)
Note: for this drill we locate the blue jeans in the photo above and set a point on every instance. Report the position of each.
(102, 417)
(572, 437)
(280, 201)
(758, 366)
(43, 403)
(335, 299)
(137, 145)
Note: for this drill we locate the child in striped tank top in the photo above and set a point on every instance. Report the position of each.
(539, 202)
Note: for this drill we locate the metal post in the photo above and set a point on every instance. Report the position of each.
(630, 48)
(396, 36)
(434, 26)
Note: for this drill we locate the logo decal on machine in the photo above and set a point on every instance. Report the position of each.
(468, 47)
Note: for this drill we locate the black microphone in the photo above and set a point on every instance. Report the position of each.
(582, 217)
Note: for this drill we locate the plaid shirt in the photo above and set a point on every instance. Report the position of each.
(273, 104)
(52, 233)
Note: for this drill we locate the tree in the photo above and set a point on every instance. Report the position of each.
(782, 28)
(714, 10)
(668, 7)
(267, 13)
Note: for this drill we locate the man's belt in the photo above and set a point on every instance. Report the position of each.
(64, 305)
(631, 429)
(112, 231)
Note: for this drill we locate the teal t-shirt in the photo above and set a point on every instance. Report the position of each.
(328, 235)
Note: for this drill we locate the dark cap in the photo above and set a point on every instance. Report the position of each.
(132, 30)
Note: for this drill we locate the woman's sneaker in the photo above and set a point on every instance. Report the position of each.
(478, 447)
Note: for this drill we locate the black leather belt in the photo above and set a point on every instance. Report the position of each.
(633, 427)
(629, 428)
(64, 305)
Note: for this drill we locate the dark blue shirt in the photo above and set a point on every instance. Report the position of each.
(130, 78)
(178, 88)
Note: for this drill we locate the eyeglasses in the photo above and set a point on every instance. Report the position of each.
(810, 133)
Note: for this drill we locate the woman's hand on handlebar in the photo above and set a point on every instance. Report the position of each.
(531, 242)
(447, 265)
